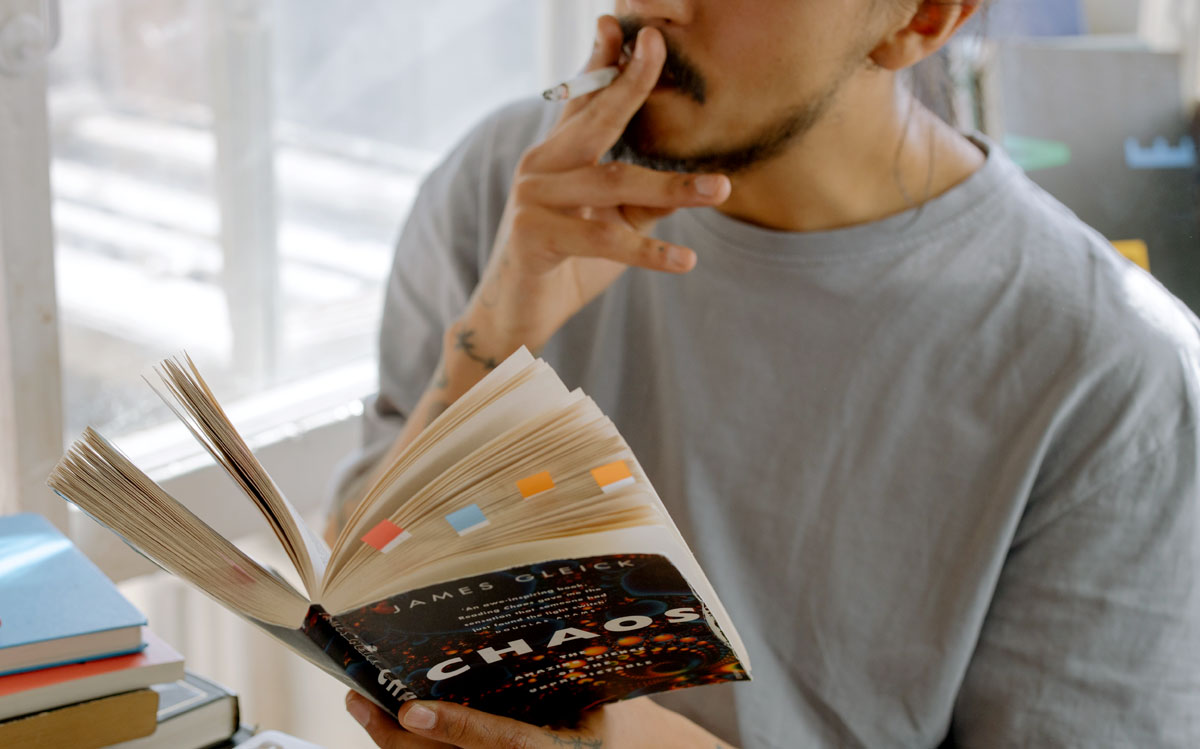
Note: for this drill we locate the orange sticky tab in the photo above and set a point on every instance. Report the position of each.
(382, 535)
(611, 476)
(535, 484)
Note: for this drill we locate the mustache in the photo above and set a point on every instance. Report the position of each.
(678, 71)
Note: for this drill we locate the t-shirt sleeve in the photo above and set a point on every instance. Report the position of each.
(439, 256)
(1093, 634)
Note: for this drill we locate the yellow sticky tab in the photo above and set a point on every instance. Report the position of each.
(612, 476)
(1136, 250)
(535, 484)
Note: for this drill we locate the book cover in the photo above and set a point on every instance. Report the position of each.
(56, 606)
(536, 642)
(32, 691)
(84, 725)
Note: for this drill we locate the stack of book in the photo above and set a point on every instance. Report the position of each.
(78, 666)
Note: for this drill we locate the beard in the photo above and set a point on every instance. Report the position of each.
(637, 144)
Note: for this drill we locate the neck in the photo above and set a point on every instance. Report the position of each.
(875, 153)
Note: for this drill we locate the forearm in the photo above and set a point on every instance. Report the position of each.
(468, 354)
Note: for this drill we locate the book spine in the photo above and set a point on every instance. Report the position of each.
(357, 660)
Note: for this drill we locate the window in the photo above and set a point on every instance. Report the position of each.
(227, 180)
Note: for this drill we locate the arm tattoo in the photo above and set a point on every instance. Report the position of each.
(467, 346)
(575, 742)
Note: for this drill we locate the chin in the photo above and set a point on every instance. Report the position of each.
(654, 137)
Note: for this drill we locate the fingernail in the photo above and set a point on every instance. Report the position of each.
(709, 185)
(679, 258)
(639, 49)
(359, 712)
(420, 717)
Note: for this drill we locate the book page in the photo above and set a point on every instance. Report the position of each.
(101, 481)
(485, 500)
(518, 390)
(209, 424)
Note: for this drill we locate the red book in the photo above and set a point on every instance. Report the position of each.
(34, 691)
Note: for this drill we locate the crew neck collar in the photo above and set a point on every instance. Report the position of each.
(960, 204)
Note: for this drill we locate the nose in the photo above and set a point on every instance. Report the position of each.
(658, 12)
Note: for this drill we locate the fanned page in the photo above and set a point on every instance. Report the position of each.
(519, 389)
(102, 482)
(539, 480)
(206, 420)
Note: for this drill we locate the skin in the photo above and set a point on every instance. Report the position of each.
(864, 151)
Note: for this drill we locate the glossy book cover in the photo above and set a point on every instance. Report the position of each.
(539, 643)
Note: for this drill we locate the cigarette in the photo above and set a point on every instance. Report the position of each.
(582, 84)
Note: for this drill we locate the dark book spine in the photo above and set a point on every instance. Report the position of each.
(357, 660)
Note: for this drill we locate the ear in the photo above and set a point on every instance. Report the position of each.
(929, 26)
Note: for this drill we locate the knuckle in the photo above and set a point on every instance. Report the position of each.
(525, 188)
(454, 728)
(612, 174)
(682, 187)
(649, 253)
(603, 234)
(524, 222)
(611, 121)
(530, 159)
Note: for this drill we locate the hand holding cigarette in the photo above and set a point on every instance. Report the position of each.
(572, 225)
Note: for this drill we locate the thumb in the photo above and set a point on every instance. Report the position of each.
(382, 728)
(466, 728)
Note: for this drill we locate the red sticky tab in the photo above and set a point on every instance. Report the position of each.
(382, 534)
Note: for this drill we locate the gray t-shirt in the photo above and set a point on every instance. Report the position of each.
(940, 468)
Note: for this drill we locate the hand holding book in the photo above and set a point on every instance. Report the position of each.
(632, 723)
(513, 558)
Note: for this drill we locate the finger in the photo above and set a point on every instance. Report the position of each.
(606, 51)
(545, 237)
(593, 129)
(466, 728)
(383, 729)
(643, 219)
(617, 183)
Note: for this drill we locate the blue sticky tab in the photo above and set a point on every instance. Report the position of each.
(467, 519)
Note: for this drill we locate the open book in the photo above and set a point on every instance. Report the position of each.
(514, 558)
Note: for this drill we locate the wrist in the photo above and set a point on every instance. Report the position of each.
(470, 350)
(479, 335)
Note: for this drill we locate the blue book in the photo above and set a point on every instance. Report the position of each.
(57, 607)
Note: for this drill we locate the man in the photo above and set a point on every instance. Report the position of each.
(933, 441)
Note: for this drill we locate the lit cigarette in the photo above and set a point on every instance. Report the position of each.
(582, 84)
